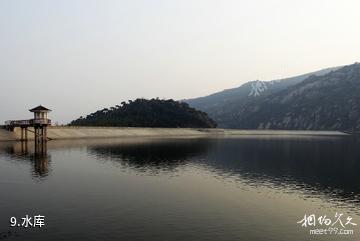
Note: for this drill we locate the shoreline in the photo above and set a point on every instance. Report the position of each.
(72, 132)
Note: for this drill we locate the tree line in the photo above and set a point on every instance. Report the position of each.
(148, 113)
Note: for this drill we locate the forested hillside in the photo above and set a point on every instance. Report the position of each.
(148, 113)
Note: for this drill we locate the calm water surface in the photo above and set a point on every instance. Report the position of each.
(248, 188)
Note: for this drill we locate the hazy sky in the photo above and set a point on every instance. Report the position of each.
(77, 56)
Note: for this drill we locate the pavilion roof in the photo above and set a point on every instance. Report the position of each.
(39, 108)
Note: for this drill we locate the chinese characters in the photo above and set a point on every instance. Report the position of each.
(333, 225)
(37, 221)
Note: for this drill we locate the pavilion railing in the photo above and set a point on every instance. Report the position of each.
(28, 122)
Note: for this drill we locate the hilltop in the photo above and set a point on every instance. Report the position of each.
(148, 113)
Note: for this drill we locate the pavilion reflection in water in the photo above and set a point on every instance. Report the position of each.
(36, 152)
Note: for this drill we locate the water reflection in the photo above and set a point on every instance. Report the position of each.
(35, 152)
(242, 188)
(154, 155)
(315, 166)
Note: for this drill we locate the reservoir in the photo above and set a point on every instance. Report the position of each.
(249, 188)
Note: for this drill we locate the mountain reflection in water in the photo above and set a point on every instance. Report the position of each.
(245, 188)
(156, 155)
(318, 165)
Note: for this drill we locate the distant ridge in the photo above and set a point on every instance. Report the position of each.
(212, 102)
(232, 108)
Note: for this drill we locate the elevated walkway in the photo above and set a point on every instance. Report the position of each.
(39, 123)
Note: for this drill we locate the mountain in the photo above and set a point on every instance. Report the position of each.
(328, 101)
(148, 113)
(225, 106)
